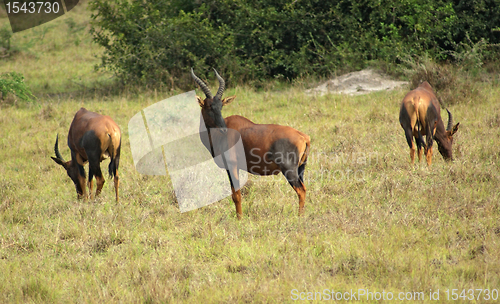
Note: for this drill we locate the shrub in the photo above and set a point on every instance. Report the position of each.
(451, 83)
(13, 83)
(246, 40)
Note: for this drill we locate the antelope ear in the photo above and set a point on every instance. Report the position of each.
(201, 102)
(455, 129)
(228, 100)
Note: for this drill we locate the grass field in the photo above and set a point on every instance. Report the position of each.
(372, 221)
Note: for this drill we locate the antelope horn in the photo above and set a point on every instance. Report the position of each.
(56, 149)
(202, 85)
(450, 121)
(222, 85)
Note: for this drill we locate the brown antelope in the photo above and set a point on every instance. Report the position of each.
(92, 138)
(420, 115)
(269, 149)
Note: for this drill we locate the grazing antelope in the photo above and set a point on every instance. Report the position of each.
(420, 115)
(92, 137)
(269, 149)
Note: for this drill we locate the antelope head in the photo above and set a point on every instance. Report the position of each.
(211, 106)
(444, 145)
(71, 170)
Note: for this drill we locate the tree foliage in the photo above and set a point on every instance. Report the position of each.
(160, 40)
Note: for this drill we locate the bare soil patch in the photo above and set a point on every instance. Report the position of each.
(357, 83)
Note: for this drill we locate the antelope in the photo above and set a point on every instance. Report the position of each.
(269, 149)
(92, 138)
(420, 115)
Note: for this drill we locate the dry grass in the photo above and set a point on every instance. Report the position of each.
(372, 221)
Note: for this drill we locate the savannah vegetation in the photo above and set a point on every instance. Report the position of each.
(252, 41)
(372, 221)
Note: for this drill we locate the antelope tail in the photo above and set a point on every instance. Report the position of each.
(303, 159)
(416, 104)
(112, 150)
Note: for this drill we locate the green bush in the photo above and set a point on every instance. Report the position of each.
(142, 43)
(158, 41)
(13, 83)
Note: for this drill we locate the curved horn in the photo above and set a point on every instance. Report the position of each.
(450, 121)
(202, 85)
(222, 85)
(56, 149)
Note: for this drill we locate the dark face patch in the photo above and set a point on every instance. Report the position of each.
(213, 113)
(74, 171)
(445, 149)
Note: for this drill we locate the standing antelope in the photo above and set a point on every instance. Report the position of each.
(420, 114)
(92, 137)
(269, 149)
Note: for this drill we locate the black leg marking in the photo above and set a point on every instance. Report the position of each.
(419, 139)
(235, 182)
(91, 174)
(292, 177)
(81, 170)
(301, 172)
(115, 162)
(409, 137)
(92, 146)
(429, 135)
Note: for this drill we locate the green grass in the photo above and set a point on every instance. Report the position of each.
(372, 221)
(56, 57)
